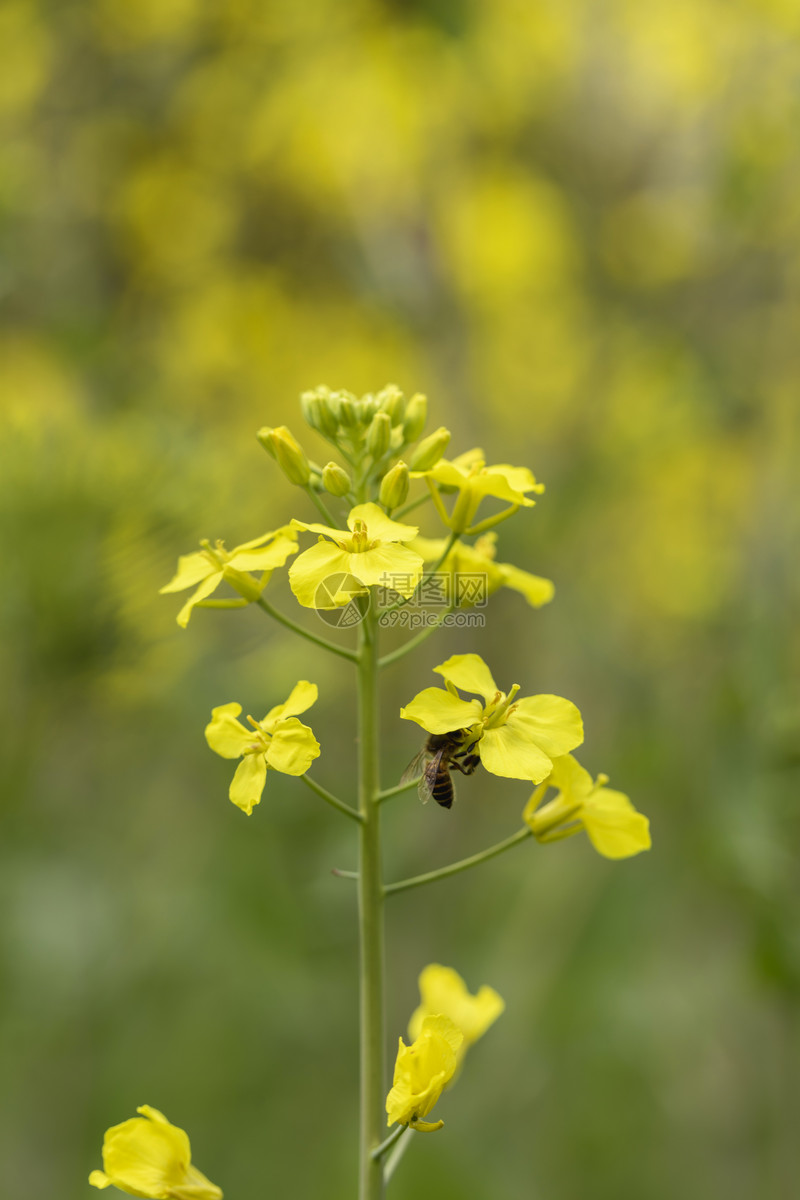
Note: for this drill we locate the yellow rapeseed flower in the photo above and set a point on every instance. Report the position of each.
(517, 739)
(468, 563)
(422, 1071)
(615, 828)
(442, 990)
(279, 742)
(371, 550)
(148, 1157)
(208, 567)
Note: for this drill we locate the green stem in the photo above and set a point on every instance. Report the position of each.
(342, 651)
(407, 508)
(394, 1158)
(370, 917)
(388, 1142)
(387, 793)
(463, 865)
(412, 643)
(490, 522)
(331, 799)
(321, 505)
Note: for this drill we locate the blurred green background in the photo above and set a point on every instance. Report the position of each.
(575, 226)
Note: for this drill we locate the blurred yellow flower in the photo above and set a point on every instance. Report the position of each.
(370, 550)
(148, 1157)
(421, 1072)
(517, 739)
(211, 565)
(279, 742)
(469, 475)
(478, 560)
(443, 991)
(615, 828)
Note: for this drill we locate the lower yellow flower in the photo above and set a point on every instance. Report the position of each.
(279, 741)
(518, 739)
(615, 828)
(148, 1157)
(421, 1073)
(442, 990)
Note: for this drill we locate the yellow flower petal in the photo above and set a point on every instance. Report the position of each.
(554, 723)
(379, 526)
(293, 747)
(327, 531)
(248, 782)
(312, 568)
(191, 569)
(442, 990)
(225, 735)
(205, 589)
(422, 1070)
(571, 778)
(469, 673)
(391, 565)
(536, 589)
(509, 751)
(150, 1158)
(439, 711)
(301, 697)
(615, 828)
(264, 558)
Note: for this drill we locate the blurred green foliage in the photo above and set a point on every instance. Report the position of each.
(576, 227)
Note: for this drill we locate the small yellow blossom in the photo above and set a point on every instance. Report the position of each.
(517, 739)
(371, 550)
(477, 560)
(615, 828)
(213, 564)
(279, 742)
(422, 1071)
(442, 990)
(469, 475)
(148, 1157)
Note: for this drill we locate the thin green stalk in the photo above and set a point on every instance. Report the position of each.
(407, 508)
(463, 865)
(387, 793)
(321, 505)
(412, 643)
(394, 1158)
(331, 799)
(490, 522)
(370, 917)
(342, 651)
(388, 1142)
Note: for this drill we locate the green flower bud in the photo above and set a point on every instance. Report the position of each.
(394, 486)
(379, 436)
(392, 401)
(336, 480)
(287, 452)
(415, 418)
(430, 450)
(320, 411)
(348, 412)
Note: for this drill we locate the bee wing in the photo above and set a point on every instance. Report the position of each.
(415, 766)
(425, 785)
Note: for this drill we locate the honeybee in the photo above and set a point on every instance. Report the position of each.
(441, 753)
